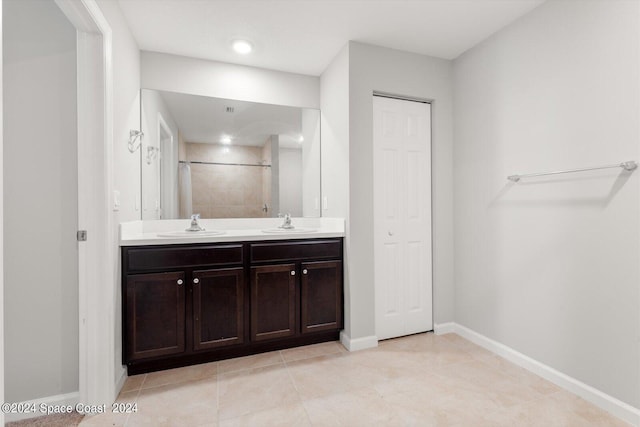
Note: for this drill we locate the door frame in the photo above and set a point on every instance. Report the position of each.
(431, 103)
(1, 216)
(97, 267)
(163, 155)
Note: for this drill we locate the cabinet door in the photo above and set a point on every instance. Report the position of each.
(273, 302)
(321, 299)
(155, 315)
(218, 308)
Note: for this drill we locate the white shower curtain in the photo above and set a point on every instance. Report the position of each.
(184, 190)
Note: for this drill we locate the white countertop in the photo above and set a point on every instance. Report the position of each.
(140, 233)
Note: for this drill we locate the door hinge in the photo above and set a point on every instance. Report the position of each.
(81, 235)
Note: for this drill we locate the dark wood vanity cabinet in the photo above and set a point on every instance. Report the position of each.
(218, 308)
(187, 304)
(273, 302)
(321, 296)
(155, 315)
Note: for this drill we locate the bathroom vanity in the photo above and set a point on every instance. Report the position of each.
(236, 294)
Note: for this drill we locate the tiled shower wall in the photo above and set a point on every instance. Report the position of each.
(228, 191)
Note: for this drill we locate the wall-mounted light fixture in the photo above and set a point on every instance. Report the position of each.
(152, 154)
(135, 139)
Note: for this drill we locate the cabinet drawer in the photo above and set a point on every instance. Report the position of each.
(162, 258)
(301, 250)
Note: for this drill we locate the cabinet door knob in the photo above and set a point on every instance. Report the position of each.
(196, 280)
(390, 233)
(180, 281)
(293, 273)
(304, 271)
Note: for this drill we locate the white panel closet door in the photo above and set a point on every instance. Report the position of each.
(402, 216)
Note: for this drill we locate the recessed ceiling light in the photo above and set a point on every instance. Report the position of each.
(300, 139)
(242, 47)
(226, 140)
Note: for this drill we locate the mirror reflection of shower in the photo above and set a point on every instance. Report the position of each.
(227, 159)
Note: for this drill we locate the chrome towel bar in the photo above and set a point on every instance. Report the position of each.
(628, 166)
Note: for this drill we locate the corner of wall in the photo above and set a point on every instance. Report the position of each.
(357, 344)
(126, 165)
(334, 155)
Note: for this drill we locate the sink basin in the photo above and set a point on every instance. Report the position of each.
(191, 233)
(289, 230)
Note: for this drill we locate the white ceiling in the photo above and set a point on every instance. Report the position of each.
(303, 36)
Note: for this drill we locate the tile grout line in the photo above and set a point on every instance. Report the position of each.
(126, 420)
(304, 408)
(144, 380)
(217, 394)
(253, 367)
(280, 363)
(524, 404)
(510, 378)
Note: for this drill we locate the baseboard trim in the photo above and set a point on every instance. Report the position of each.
(71, 399)
(444, 328)
(609, 403)
(358, 343)
(120, 382)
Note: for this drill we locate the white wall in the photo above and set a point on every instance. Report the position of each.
(373, 68)
(221, 80)
(40, 202)
(334, 125)
(334, 155)
(290, 177)
(126, 116)
(126, 111)
(550, 266)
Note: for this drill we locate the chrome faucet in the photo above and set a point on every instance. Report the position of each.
(286, 222)
(195, 226)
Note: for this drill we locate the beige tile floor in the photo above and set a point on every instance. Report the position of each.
(420, 380)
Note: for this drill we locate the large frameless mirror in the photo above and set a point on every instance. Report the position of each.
(222, 158)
